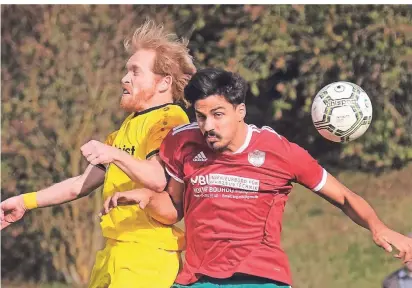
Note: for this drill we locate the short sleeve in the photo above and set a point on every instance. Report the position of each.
(166, 122)
(110, 139)
(306, 169)
(171, 155)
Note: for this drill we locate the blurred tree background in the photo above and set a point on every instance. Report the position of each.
(61, 67)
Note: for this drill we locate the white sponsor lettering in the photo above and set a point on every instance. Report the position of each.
(200, 179)
(234, 182)
(227, 181)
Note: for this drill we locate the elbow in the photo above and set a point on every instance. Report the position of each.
(74, 193)
(172, 217)
(159, 180)
(168, 219)
(158, 186)
(76, 188)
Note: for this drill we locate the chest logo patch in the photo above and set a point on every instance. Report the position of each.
(257, 158)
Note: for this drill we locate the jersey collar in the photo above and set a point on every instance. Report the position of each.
(247, 141)
(151, 109)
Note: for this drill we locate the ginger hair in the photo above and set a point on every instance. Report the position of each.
(172, 55)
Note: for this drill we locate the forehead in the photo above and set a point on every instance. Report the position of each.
(143, 59)
(211, 103)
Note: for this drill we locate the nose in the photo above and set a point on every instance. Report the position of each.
(209, 125)
(126, 79)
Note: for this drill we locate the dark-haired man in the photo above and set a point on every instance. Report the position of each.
(231, 182)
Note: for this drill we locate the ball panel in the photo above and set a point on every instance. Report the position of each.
(341, 111)
(328, 135)
(359, 132)
(365, 104)
(340, 90)
(343, 118)
(318, 109)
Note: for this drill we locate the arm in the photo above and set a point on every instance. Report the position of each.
(166, 207)
(148, 172)
(72, 188)
(356, 208)
(13, 209)
(308, 172)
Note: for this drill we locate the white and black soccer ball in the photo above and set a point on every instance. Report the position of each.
(341, 111)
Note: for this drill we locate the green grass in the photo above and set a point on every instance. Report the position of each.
(326, 249)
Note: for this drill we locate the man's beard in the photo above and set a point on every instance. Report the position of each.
(135, 103)
(218, 137)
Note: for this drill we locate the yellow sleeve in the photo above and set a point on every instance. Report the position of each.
(110, 138)
(167, 120)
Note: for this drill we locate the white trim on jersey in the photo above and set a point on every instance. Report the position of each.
(174, 176)
(247, 141)
(271, 130)
(322, 181)
(184, 127)
(267, 128)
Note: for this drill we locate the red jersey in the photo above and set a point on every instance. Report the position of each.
(233, 203)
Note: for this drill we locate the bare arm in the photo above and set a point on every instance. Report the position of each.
(14, 208)
(148, 172)
(166, 207)
(363, 214)
(351, 204)
(72, 188)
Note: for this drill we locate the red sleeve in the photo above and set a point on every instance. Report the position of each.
(306, 169)
(171, 155)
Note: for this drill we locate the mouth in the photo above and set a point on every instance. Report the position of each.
(212, 139)
(125, 92)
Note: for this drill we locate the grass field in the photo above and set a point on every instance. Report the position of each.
(325, 248)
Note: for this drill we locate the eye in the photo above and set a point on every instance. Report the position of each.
(218, 114)
(200, 117)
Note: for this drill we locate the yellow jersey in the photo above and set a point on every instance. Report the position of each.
(140, 135)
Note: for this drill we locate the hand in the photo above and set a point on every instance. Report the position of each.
(387, 237)
(11, 210)
(141, 197)
(98, 153)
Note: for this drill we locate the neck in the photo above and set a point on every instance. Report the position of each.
(239, 139)
(156, 100)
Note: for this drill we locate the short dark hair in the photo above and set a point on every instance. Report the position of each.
(214, 81)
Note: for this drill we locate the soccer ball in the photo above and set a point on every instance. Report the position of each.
(341, 112)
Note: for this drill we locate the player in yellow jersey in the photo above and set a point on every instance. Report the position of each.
(140, 251)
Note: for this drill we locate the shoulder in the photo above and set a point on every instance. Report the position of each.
(186, 131)
(267, 139)
(179, 142)
(170, 115)
(266, 132)
(268, 136)
(163, 116)
(110, 138)
(174, 109)
(168, 110)
(182, 135)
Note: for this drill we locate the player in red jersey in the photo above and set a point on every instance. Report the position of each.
(231, 181)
